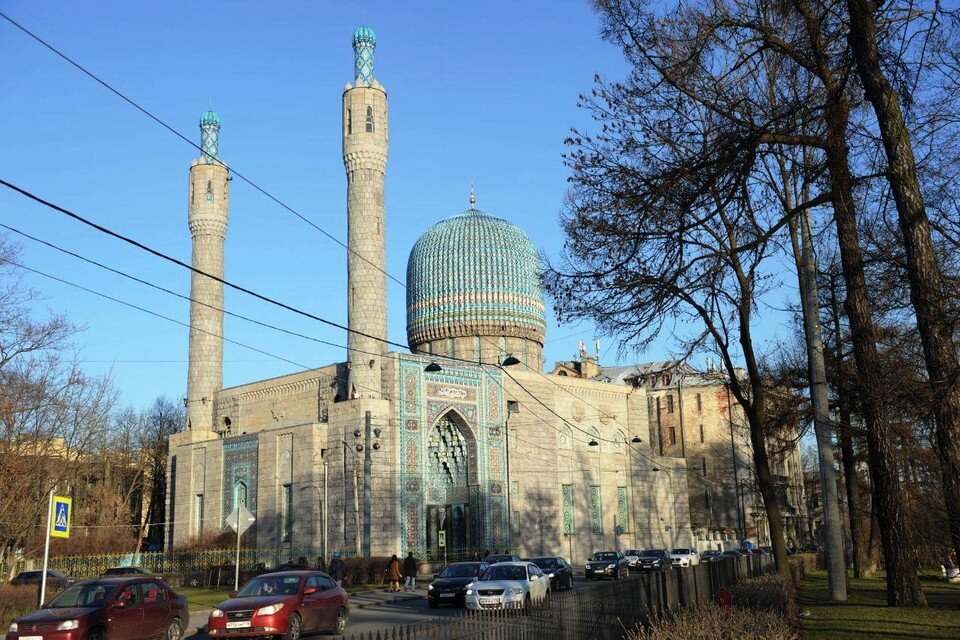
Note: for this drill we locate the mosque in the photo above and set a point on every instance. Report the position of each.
(463, 441)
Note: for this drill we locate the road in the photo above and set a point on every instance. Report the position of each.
(372, 618)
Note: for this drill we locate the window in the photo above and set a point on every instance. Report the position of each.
(701, 433)
(699, 403)
(153, 593)
(349, 121)
(286, 508)
(703, 462)
(369, 119)
(198, 513)
(673, 435)
(130, 595)
(325, 583)
(191, 193)
(209, 190)
(669, 404)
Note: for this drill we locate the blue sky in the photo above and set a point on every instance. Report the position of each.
(478, 91)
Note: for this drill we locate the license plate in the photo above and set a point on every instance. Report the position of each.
(489, 600)
(241, 624)
(31, 637)
(447, 595)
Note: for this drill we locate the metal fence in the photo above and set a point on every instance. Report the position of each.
(608, 611)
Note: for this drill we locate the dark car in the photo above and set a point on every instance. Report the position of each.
(607, 564)
(711, 556)
(114, 608)
(654, 560)
(450, 585)
(501, 557)
(126, 572)
(56, 581)
(733, 553)
(557, 569)
(288, 603)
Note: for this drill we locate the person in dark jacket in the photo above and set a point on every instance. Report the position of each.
(337, 568)
(410, 570)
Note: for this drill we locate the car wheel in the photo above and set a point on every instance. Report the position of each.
(433, 604)
(294, 628)
(340, 624)
(174, 630)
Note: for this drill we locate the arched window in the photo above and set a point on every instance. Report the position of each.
(349, 121)
(239, 494)
(369, 119)
(619, 442)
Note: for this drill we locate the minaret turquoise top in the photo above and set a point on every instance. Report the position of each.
(209, 135)
(364, 43)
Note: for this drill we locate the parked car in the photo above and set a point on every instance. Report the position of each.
(607, 564)
(685, 557)
(633, 557)
(508, 585)
(654, 560)
(287, 603)
(501, 557)
(450, 585)
(712, 555)
(733, 553)
(127, 572)
(769, 550)
(557, 569)
(114, 608)
(56, 581)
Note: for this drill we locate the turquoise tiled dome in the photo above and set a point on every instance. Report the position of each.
(364, 34)
(474, 275)
(209, 117)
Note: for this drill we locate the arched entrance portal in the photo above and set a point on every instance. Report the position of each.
(451, 457)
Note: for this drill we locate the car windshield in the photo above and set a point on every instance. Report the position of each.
(270, 586)
(681, 551)
(500, 558)
(605, 555)
(633, 552)
(459, 571)
(548, 564)
(29, 575)
(505, 572)
(652, 553)
(84, 595)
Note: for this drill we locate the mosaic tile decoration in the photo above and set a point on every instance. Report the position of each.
(568, 508)
(596, 510)
(623, 512)
(240, 477)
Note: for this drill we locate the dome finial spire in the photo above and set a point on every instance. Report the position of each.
(473, 196)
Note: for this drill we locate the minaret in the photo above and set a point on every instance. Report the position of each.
(207, 216)
(365, 160)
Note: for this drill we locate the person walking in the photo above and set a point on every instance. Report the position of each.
(393, 574)
(337, 569)
(410, 569)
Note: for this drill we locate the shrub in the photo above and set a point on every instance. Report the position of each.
(712, 623)
(360, 571)
(770, 592)
(801, 564)
(16, 601)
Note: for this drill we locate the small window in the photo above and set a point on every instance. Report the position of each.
(130, 595)
(325, 583)
(369, 119)
(669, 404)
(702, 439)
(286, 506)
(349, 121)
(703, 461)
(513, 406)
(191, 193)
(699, 403)
(209, 191)
(198, 513)
(673, 435)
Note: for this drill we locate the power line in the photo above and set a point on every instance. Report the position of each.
(175, 132)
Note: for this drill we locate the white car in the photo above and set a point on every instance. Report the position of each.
(508, 585)
(685, 557)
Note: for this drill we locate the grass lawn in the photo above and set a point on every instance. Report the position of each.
(866, 615)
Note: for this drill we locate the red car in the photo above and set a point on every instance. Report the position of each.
(284, 604)
(114, 608)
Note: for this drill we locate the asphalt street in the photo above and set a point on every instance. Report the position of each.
(374, 617)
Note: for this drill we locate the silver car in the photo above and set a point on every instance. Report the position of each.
(508, 585)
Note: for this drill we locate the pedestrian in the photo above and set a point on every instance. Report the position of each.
(337, 569)
(393, 574)
(410, 569)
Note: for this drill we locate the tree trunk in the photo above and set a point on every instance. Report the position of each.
(927, 292)
(809, 301)
(903, 584)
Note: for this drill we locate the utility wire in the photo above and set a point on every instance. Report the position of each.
(175, 132)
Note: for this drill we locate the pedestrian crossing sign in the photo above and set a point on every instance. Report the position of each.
(60, 527)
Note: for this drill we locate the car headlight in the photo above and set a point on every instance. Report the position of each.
(549, 575)
(430, 588)
(216, 613)
(13, 627)
(269, 611)
(469, 592)
(68, 625)
(514, 591)
(611, 566)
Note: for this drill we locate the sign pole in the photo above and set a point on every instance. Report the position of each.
(46, 548)
(236, 570)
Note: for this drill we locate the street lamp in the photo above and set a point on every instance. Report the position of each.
(433, 367)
